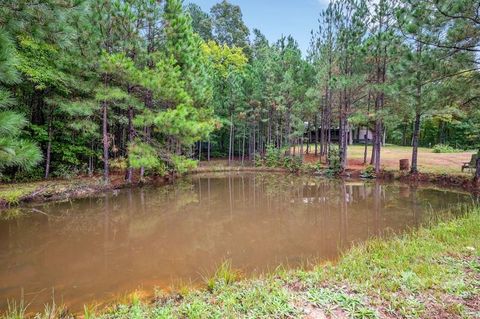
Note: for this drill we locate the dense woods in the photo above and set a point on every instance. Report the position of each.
(150, 86)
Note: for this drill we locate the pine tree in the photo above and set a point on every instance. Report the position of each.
(15, 151)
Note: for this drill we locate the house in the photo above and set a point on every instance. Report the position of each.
(355, 136)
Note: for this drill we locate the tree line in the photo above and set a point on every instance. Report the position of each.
(151, 86)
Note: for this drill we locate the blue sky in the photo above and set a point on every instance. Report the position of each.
(278, 17)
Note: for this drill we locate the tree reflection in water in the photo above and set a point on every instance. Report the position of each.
(98, 248)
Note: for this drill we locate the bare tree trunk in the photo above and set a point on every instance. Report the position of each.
(105, 144)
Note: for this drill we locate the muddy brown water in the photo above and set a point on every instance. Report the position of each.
(97, 249)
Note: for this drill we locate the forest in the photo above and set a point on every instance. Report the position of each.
(153, 86)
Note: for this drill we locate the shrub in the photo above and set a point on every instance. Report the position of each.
(258, 160)
(368, 172)
(292, 163)
(183, 164)
(273, 156)
(442, 148)
(65, 171)
(334, 166)
(118, 164)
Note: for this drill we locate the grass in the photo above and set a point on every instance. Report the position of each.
(433, 272)
(12, 195)
(428, 161)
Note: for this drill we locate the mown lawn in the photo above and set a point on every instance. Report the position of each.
(428, 162)
(430, 273)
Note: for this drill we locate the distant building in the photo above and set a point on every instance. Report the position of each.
(355, 136)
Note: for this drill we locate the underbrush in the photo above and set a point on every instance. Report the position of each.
(278, 158)
(442, 148)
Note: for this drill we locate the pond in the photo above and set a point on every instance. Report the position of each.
(97, 249)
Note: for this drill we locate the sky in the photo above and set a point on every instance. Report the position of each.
(275, 18)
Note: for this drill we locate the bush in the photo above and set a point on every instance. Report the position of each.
(273, 156)
(35, 174)
(65, 171)
(292, 163)
(369, 172)
(258, 160)
(442, 148)
(182, 164)
(334, 166)
(118, 164)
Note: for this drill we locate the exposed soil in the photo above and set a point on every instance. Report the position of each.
(82, 186)
(85, 186)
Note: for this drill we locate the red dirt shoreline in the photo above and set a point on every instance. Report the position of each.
(81, 187)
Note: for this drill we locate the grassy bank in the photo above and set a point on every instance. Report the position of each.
(428, 161)
(431, 273)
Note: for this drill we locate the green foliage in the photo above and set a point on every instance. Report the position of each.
(15, 151)
(224, 275)
(40, 63)
(273, 157)
(228, 25)
(181, 164)
(292, 163)
(368, 172)
(442, 148)
(143, 155)
(334, 166)
(185, 123)
(276, 158)
(170, 76)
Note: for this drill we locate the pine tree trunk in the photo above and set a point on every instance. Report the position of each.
(378, 146)
(105, 144)
(243, 147)
(309, 137)
(90, 161)
(365, 151)
(131, 136)
(416, 126)
(374, 143)
(416, 133)
(49, 149)
(343, 127)
(208, 150)
(476, 179)
(301, 148)
(316, 135)
(230, 141)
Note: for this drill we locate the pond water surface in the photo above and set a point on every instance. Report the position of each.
(97, 249)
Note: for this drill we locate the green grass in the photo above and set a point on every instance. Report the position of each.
(428, 161)
(431, 272)
(12, 195)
